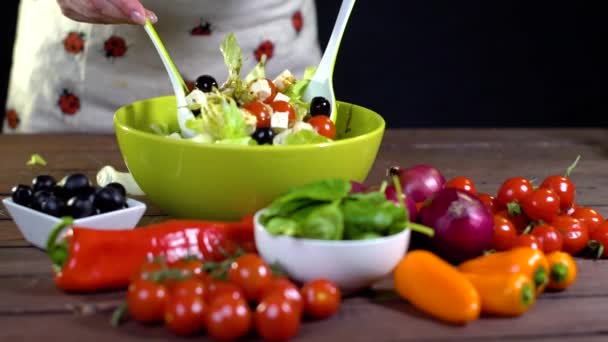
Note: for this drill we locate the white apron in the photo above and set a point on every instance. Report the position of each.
(71, 77)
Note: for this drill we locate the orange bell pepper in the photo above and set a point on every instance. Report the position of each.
(562, 270)
(504, 294)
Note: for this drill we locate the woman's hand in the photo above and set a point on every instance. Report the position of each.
(106, 11)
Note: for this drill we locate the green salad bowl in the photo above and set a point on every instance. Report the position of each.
(194, 180)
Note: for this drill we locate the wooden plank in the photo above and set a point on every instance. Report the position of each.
(358, 320)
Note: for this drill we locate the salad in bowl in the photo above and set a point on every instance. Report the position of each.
(255, 109)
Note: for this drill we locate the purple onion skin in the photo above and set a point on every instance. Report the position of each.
(421, 181)
(357, 187)
(464, 227)
(391, 194)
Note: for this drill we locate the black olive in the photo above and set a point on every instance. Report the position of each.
(119, 187)
(43, 182)
(206, 83)
(109, 199)
(76, 184)
(320, 106)
(263, 135)
(81, 206)
(22, 194)
(53, 206)
(39, 198)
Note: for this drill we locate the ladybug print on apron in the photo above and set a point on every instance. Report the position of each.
(297, 21)
(265, 48)
(202, 29)
(115, 47)
(74, 43)
(68, 103)
(12, 118)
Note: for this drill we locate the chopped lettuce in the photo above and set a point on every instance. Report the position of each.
(305, 137)
(233, 58)
(257, 72)
(36, 159)
(296, 91)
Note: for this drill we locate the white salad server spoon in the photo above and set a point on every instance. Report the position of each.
(179, 86)
(321, 83)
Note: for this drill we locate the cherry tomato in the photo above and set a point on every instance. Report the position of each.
(563, 187)
(549, 237)
(273, 92)
(185, 315)
(589, 216)
(323, 125)
(146, 301)
(574, 232)
(217, 288)
(489, 201)
(192, 267)
(227, 318)
(285, 107)
(599, 240)
(188, 288)
(520, 221)
(250, 273)
(261, 113)
(541, 204)
(276, 318)
(571, 210)
(505, 234)
(527, 240)
(462, 183)
(513, 189)
(321, 298)
(147, 268)
(287, 289)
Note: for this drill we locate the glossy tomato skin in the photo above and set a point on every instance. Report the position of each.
(505, 234)
(600, 238)
(216, 288)
(227, 318)
(251, 273)
(550, 238)
(146, 301)
(276, 318)
(190, 287)
(462, 183)
(527, 240)
(519, 221)
(541, 205)
(574, 232)
(563, 187)
(284, 106)
(261, 113)
(513, 189)
(284, 287)
(323, 125)
(185, 315)
(321, 298)
(489, 201)
(589, 216)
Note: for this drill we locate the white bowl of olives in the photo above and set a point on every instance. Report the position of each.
(38, 208)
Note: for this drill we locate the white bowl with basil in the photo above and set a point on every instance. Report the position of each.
(323, 230)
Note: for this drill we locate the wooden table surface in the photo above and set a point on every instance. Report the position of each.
(31, 308)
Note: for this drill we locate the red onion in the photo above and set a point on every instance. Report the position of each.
(391, 194)
(420, 181)
(464, 226)
(357, 187)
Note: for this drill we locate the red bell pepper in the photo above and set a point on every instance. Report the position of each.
(92, 260)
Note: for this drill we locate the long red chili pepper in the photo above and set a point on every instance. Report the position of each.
(93, 259)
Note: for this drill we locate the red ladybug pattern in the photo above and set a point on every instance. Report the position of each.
(74, 43)
(12, 118)
(68, 103)
(115, 47)
(265, 48)
(297, 21)
(202, 29)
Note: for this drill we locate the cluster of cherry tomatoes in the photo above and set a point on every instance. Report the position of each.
(228, 300)
(544, 217)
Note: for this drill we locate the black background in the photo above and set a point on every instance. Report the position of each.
(431, 63)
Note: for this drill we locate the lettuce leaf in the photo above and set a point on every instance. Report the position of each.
(233, 58)
(305, 137)
(296, 91)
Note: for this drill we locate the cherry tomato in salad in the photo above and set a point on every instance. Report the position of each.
(513, 189)
(251, 273)
(574, 232)
(505, 234)
(527, 240)
(589, 216)
(284, 287)
(321, 298)
(488, 200)
(285, 107)
(261, 113)
(185, 315)
(462, 183)
(550, 238)
(323, 125)
(228, 318)
(146, 301)
(276, 318)
(563, 187)
(541, 204)
(273, 92)
(599, 240)
(216, 288)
